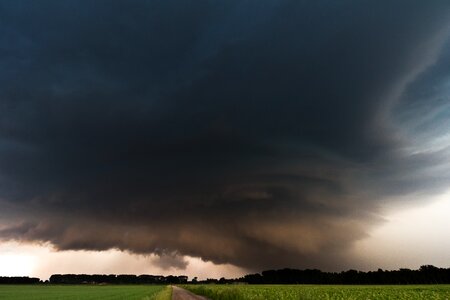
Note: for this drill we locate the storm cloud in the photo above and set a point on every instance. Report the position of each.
(257, 133)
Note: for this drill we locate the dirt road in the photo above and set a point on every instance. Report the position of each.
(182, 294)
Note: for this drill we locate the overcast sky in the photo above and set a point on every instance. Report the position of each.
(224, 136)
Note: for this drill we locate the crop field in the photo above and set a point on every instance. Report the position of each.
(329, 292)
(85, 292)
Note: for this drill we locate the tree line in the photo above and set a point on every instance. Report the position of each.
(98, 279)
(19, 280)
(426, 274)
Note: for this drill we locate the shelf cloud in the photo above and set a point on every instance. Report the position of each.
(256, 133)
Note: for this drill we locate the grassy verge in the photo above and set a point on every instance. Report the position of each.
(165, 294)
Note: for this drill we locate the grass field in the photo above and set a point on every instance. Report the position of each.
(85, 292)
(334, 292)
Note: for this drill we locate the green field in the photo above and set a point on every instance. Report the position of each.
(85, 292)
(225, 292)
(335, 292)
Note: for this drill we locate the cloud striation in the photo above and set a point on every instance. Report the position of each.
(257, 133)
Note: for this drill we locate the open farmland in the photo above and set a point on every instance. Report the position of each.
(85, 292)
(335, 292)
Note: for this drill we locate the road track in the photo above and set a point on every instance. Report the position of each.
(182, 294)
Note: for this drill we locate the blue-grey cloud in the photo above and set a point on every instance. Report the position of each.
(254, 133)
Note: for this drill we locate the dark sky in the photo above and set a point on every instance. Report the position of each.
(258, 133)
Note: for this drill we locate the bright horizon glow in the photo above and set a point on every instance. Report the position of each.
(17, 259)
(410, 237)
(15, 264)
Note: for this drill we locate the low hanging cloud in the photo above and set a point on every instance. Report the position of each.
(251, 133)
